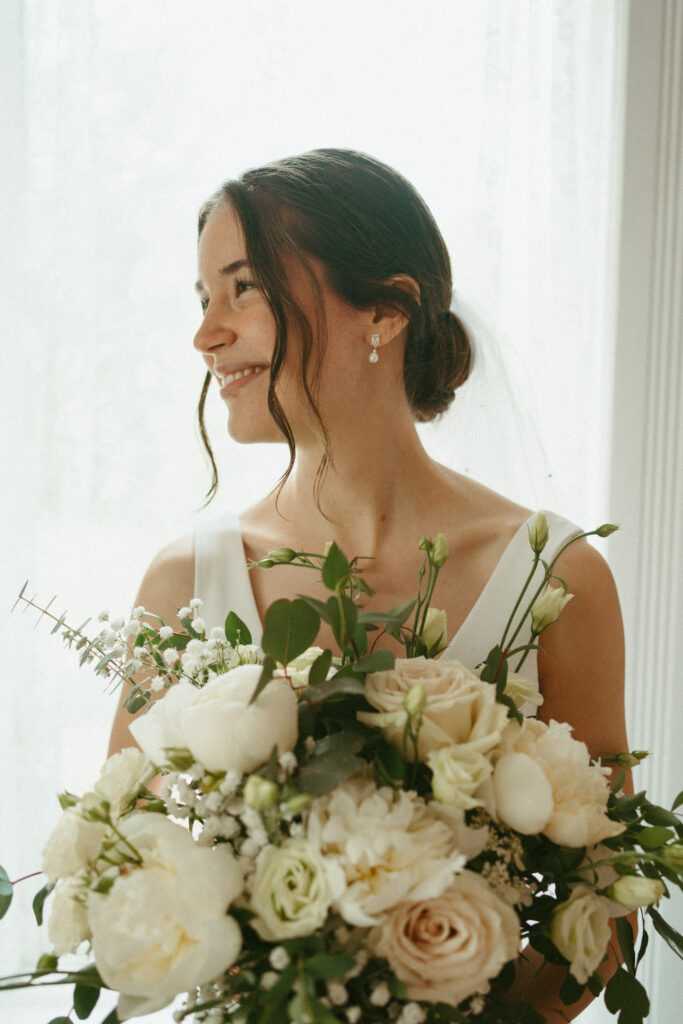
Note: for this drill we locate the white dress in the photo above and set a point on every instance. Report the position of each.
(221, 580)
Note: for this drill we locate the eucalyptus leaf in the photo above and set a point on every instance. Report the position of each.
(335, 568)
(673, 939)
(624, 992)
(328, 771)
(290, 628)
(319, 669)
(269, 666)
(39, 902)
(378, 661)
(85, 1000)
(570, 990)
(625, 936)
(342, 615)
(236, 631)
(6, 892)
(332, 687)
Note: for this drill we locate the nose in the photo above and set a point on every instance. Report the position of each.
(213, 334)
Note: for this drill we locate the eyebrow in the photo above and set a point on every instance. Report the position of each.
(230, 268)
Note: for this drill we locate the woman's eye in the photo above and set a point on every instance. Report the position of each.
(204, 304)
(242, 285)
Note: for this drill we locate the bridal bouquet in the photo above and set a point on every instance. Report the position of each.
(351, 838)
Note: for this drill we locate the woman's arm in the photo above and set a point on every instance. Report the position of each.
(581, 674)
(167, 586)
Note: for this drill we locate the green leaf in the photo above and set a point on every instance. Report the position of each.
(624, 992)
(570, 990)
(329, 965)
(654, 836)
(85, 1000)
(135, 705)
(47, 962)
(39, 902)
(332, 687)
(236, 631)
(342, 615)
(63, 1020)
(290, 628)
(111, 1018)
(319, 669)
(655, 815)
(627, 806)
(673, 939)
(335, 568)
(378, 661)
(643, 947)
(678, 801)
(269, 666)
(327, 771)
(6, 892)
(625, 936)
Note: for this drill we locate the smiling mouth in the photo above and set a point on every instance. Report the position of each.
(247, 373)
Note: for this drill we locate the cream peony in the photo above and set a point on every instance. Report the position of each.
(163, 928)
(580, 930)
(457, 773)
(67, 925)
(544, 782)
(122, 777)
(74, 844)
(449, 948)
(291, 890)
(217, 724)
(389, 846)
(460, 707)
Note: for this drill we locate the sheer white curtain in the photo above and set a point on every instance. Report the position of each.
(122, 118)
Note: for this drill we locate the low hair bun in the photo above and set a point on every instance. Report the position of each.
(437, 362)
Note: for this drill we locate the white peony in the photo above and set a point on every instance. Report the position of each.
(122, 777)
(217, 724)
(448, 948)
(460, 708)
(74, 844)
(163, 928)
(292, 890)
(581, 932)
(67, 925)
(544, 782)
(388, 844)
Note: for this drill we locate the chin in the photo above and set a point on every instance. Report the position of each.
(244, 432)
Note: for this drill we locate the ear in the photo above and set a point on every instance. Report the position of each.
(390, 322)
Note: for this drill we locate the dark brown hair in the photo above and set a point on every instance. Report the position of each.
(366, 224)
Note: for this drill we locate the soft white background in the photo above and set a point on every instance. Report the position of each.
(122, 117)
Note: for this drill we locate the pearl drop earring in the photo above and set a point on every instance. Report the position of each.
(374, 355)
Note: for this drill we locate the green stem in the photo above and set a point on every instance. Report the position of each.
(537, 558)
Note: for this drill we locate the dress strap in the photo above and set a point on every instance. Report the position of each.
(221, 577)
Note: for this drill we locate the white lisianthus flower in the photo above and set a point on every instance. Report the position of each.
(633, 891)
(524, 692)
(388, 844)
(67, 926)
(122, 777)
(458, 772)
(291, 890)
(546, 608)
(544, 782)
(162, 928)
(435, 632)
(460, 708)
(581, 932)
(74, 844)
(538, 533)
(448, 948)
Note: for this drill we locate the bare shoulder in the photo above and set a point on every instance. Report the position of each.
(168, 583)
(581, 667)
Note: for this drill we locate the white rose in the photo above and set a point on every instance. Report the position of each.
(458, 772)
(67, 926)
(544, 782)
(122, 777)
(460, 707)
(389, 845)
(217, 724)
(74, 844)
(448, 948)
(162, 928)
(581, 932)
(291, 891)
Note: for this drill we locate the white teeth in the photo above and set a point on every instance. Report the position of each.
(230, 377)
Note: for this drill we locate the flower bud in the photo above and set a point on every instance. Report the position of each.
(425, 544)
(299, 803)
(546, 609)
(415, 700)
(282, 555)
(439, 551)
(434, 634)
(633, 891)
(672, 856)
(260, 794)
(606, 529)
(538, 533)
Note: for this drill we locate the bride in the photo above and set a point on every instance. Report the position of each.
(325, 287)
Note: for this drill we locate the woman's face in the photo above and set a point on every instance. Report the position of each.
(237, 335)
